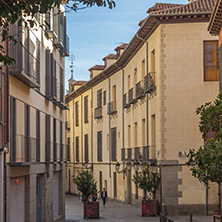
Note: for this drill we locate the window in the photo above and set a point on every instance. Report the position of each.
(113, 143)
(211, 72)
(129, 136)
(47, 136)
(13, 128)
(38, 60)
(135, 76)
(128, 82)
(77, 113)
(104, 98)
(99, 98)
(135, 134)
(143, 132)
(37, 135)
(100, 181)
(86, 109)
(99, 146)
(153, 65)
(61, 142)
(54, 141)
(27, 133)
(77, 149)
(153, 136)
(86, 148)
(61, 86)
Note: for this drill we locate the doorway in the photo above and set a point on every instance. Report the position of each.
(38, 198)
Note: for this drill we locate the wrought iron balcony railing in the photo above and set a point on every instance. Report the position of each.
(132, 98)
(98, 113)
(24, 150)
(26, 67)
(137, 153)
(149, 82)
(111, 108)
(140, 90)
(125, 101)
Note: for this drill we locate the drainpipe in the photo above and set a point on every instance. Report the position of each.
(109, 133)
(92, 129)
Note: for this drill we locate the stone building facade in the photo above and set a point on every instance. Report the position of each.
(140, 107)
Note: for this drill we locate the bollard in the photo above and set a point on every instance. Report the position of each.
(191, 217)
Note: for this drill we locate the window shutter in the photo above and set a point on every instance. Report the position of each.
(48, 87)
(77, 113)
(38, 136)
(113, 143)
(86, 109)
(104, 98)
(13, 128)
(86, 148)
(77, 149)
(99, 146)
(48, 135)
(38, 61)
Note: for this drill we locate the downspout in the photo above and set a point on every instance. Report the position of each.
(92, 130)
(109, 133)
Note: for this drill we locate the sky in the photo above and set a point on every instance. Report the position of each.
(95, 32)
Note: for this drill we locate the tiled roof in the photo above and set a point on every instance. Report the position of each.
(97, 67)
(193, 7)
(216, 19)
(79, 82)
(123, 46)
(162, 6)
(111, 56)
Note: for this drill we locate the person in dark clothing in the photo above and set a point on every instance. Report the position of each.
(104, 196)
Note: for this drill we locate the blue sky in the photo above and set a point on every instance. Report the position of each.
(95, 32)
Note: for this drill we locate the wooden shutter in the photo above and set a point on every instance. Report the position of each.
(86, 148)
(77, 149)
(27, 133)
(48, 86)
(13, 127)
(38, 136)
(99, 146)
(86, 109)
(113, 143)
(99, 98)
(61, 142)
(114, 184)
(211, 72)
(48, 139)
(54, 141)
(61, 90)
(100, 181)
(38, 61)
(104, 98)
(77, 113)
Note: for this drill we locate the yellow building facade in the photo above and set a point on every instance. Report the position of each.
(140, 107)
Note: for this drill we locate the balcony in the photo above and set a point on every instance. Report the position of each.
(140, 90)
(51, 88)
(98, 113)
(60, 95)
(56, 152)
(132, 99)
(125, 104)
(137, 153)
(111, 108)
(149, 82)
(65, 50)
(49, 26)
(24, 150)
(26, 67)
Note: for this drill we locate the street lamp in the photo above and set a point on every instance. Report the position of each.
(136, 165)
(117, 166)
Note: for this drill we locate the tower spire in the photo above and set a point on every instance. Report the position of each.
(72, 59)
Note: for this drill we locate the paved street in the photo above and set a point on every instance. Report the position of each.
(116, 212)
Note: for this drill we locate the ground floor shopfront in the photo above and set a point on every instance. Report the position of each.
(35, 193)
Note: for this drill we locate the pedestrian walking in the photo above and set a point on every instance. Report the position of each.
(104, 196)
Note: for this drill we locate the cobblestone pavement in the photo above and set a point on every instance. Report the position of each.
(116, 212)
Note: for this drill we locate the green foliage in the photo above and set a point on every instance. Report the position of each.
(206, 163)
(86, 184)
(148, 181)
(24, 13)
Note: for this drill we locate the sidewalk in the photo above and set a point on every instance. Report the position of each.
(115, 212)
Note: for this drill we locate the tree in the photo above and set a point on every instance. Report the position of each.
(86, 184)
(148, 181)
(206, 163)
(23, 12)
